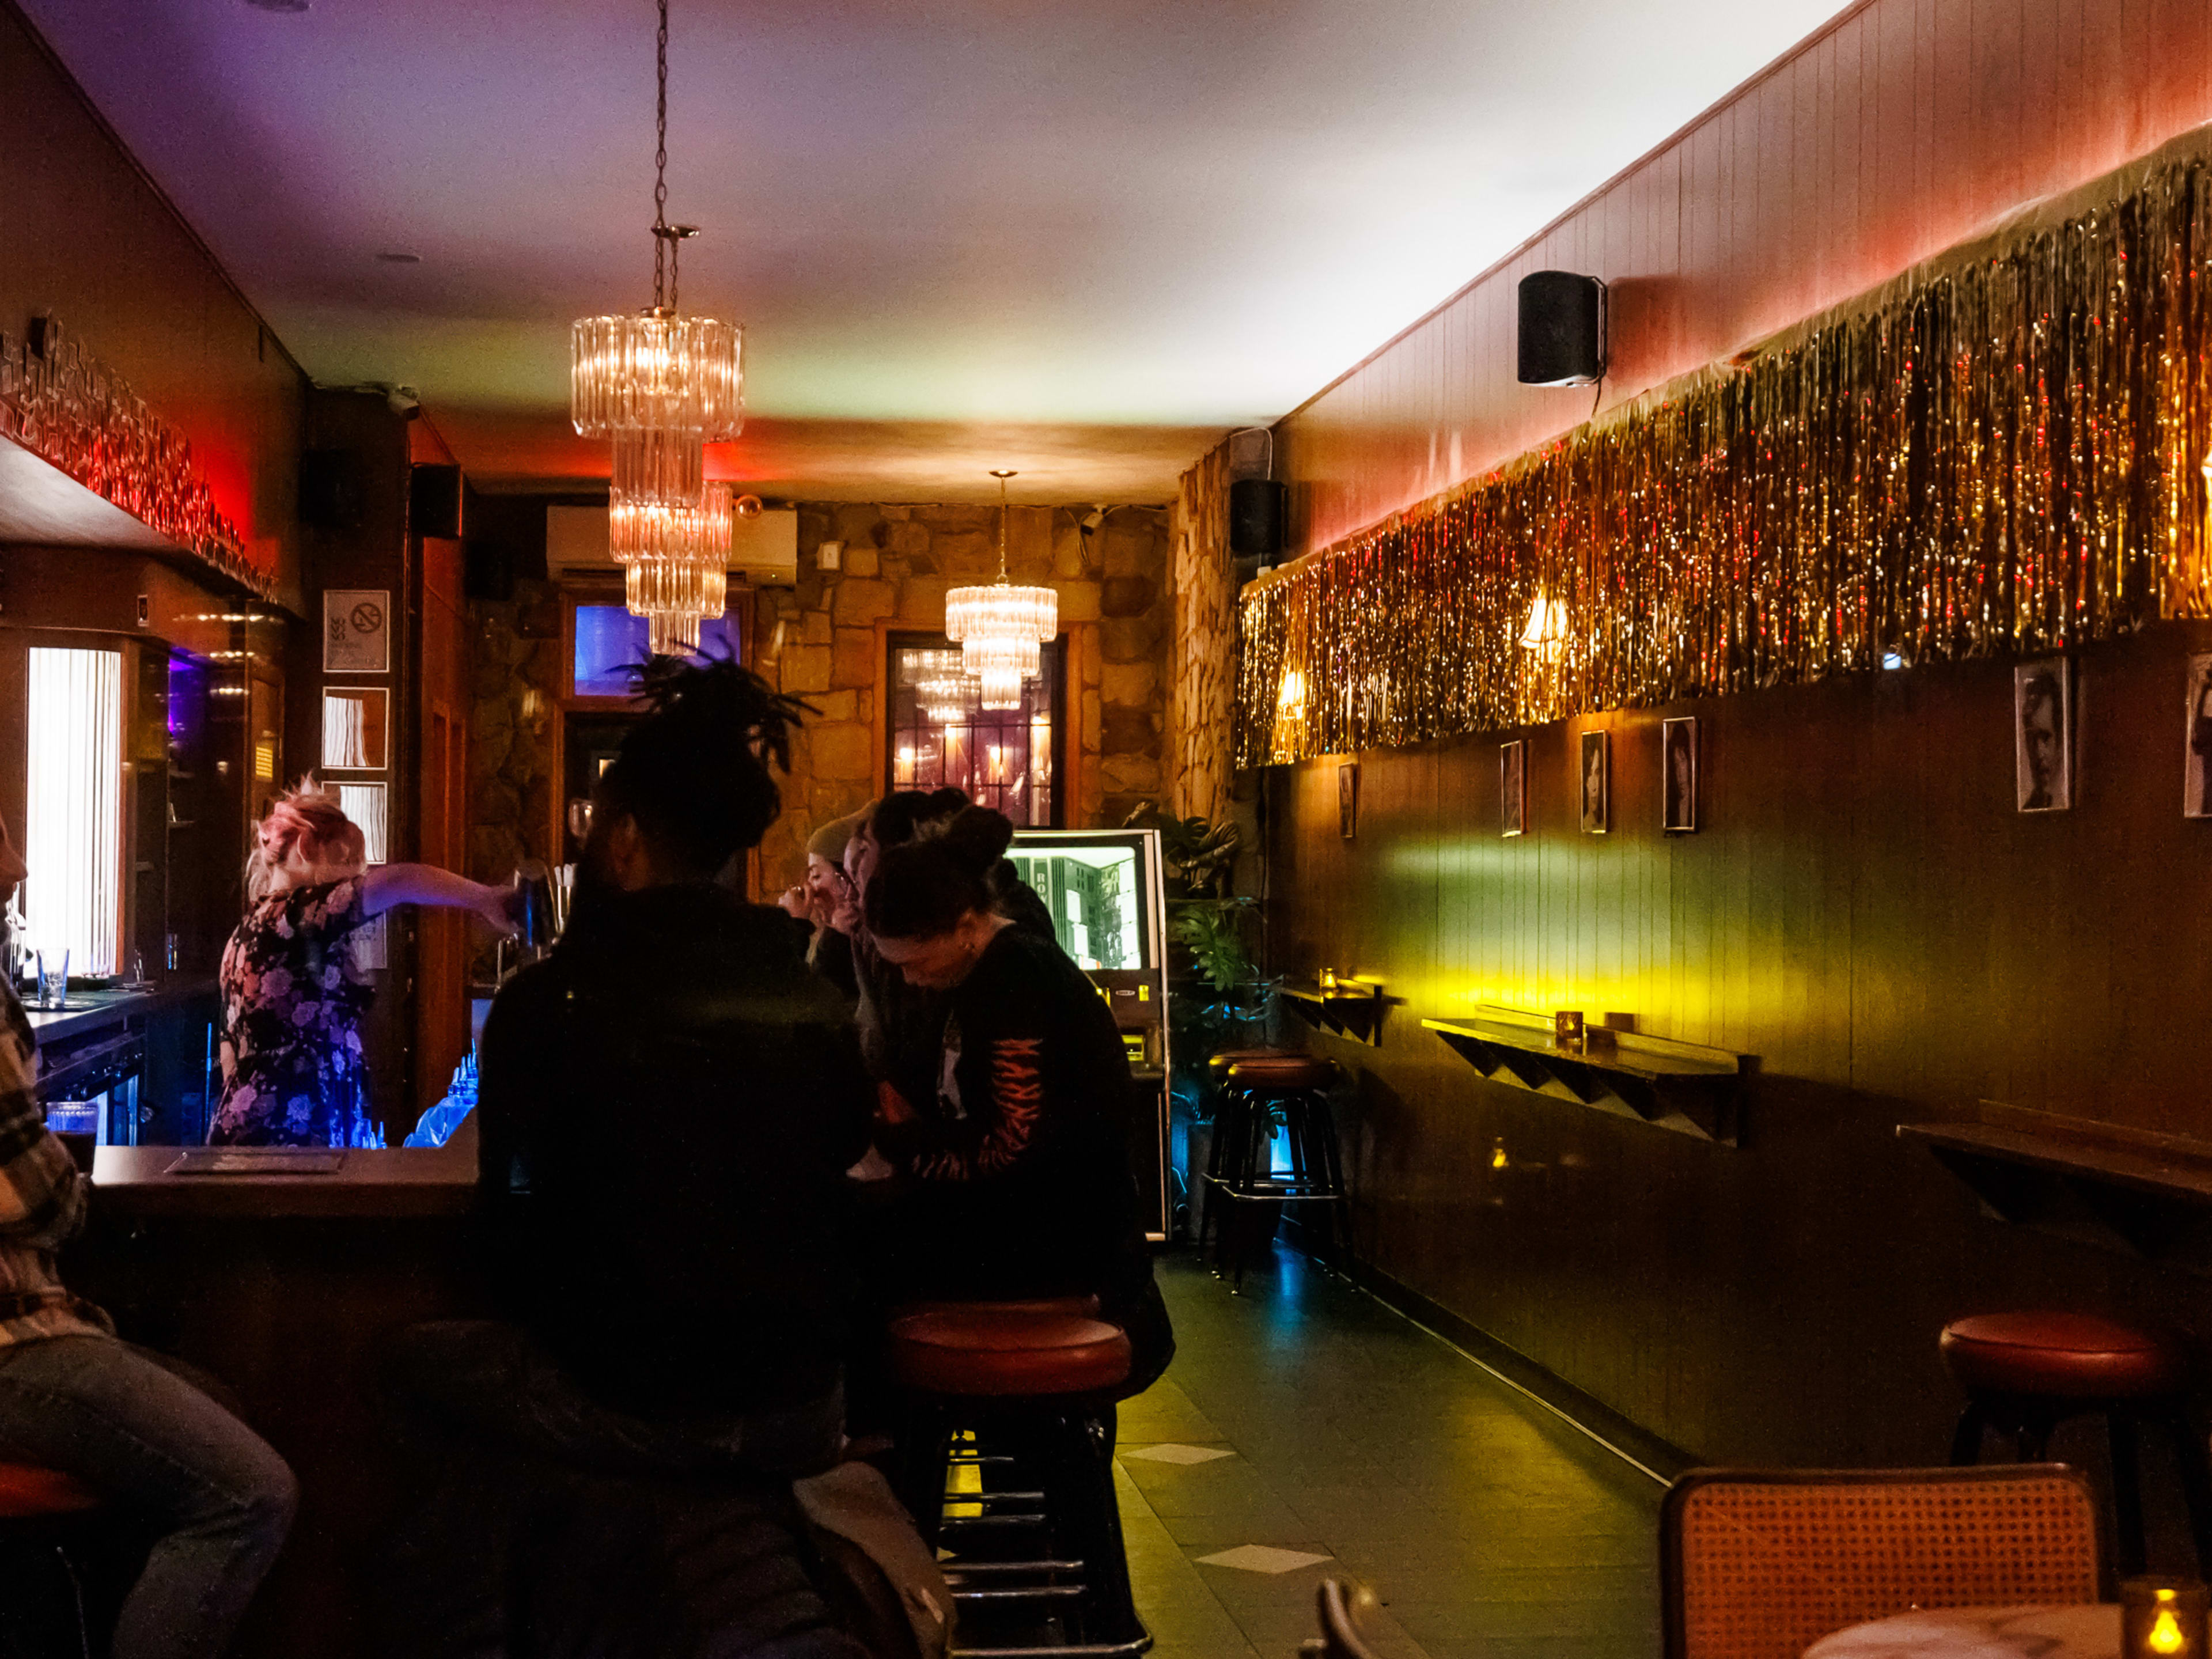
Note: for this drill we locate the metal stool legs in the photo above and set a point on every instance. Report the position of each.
(2029, 1420)
(1035, 1534)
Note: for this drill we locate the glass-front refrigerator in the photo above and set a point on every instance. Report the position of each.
(1109, 908)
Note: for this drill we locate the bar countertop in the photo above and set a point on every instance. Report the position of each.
(403, 1182)
(89, 1011)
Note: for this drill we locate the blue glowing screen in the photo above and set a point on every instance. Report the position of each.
(609, 640)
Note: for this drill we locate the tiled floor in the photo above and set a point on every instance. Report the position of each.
(1360, 1446)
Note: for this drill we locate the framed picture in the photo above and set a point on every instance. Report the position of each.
(364, 803)
(1513, 788)
(1347, 798)
(356, 728)
(1597, 758)
(2043, 727)
(356, 630)
(2196, 751)
(1678, 776)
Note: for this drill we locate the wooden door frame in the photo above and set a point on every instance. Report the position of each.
(1078, 663)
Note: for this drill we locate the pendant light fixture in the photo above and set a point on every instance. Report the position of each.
(659, 383)
(676, 566)
(1000, 629)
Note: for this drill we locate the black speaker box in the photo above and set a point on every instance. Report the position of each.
(1562, 329)
(1257, 510)
(332, 489)
(434, 502)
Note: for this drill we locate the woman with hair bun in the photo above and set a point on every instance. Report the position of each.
(1018, 1164)
(292, 1000)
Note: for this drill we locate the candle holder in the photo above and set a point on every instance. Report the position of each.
(2163, 1618)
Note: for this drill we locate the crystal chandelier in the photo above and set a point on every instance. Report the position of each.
(676, 565)
(663, 386)
(1000, 629)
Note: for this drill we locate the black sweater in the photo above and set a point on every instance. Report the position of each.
(669, 1103)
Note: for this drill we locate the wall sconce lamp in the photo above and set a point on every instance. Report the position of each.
(1546, 630)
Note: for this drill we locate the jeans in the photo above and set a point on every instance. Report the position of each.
(164, 1454)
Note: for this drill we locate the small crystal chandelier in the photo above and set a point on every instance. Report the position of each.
(1000, 629)
(942, 686)
(660, 383)
(676, 566)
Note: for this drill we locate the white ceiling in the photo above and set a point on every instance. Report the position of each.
(1079, 237)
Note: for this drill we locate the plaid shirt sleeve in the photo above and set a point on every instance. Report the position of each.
(41, 1198)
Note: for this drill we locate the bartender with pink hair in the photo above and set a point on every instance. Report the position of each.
(292, 997)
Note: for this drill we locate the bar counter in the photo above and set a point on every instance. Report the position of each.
(290, 1287)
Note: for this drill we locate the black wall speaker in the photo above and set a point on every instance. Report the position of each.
(1562, 329)
(434, 501)
(1258, 508)
(333, 489)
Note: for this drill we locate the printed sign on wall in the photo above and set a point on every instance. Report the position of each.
(356, 630)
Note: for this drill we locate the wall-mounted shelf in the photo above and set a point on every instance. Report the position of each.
(1351, 1007)
(2147, 1194)
(1681, 1086)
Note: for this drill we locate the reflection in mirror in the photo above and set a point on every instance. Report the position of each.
(354, 728)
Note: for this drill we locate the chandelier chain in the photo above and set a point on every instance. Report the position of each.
(662, 247)
(1002, 477)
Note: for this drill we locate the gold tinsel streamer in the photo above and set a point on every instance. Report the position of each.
(2002, 457)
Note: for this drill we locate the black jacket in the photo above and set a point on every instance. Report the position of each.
(669, 1103)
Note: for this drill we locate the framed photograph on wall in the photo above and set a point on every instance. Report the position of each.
(2197, 737)
(356, 721)
(356, 630)
(364, 803)
(1678, 776)
(2043, 736)
(1347, 799)
(1513, 788)
(1596, 765)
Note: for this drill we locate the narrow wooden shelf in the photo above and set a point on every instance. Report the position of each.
(1681, 1086)
(2145, 1195)
(1351, 1008)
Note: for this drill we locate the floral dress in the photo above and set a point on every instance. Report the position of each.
(292, 1003)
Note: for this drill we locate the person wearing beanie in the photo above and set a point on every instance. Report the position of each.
(825, 887)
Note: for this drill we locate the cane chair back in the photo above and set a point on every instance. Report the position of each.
(1759, 1564)
(1339, 1637)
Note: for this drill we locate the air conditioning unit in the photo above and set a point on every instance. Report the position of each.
(763, 549)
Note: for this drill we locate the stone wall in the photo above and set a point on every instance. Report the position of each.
(515, 683)
(821, 640)
(1202, 704)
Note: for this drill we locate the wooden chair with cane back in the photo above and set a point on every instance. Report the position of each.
(1757, 1563)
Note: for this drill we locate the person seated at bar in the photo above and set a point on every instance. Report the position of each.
(821, 890)
(1016, 1162)
(74, 1398)
(900, 1022)
(292, 998)
(668, 1104)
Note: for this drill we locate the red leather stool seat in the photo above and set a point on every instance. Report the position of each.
(1220, 1063)
(1003, 1350)
(2068, 1355)
(1283, 1072)
(27, 1491)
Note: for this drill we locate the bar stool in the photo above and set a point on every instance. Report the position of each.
(43, 1516)
(1010, 1422)
(2025, 1373)
(1263, 1093)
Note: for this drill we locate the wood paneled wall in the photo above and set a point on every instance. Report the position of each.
(1897, 132)
(1867, 914)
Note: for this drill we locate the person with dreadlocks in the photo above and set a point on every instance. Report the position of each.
(668, 1104)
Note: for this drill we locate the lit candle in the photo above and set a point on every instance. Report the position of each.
(2162, 1618)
